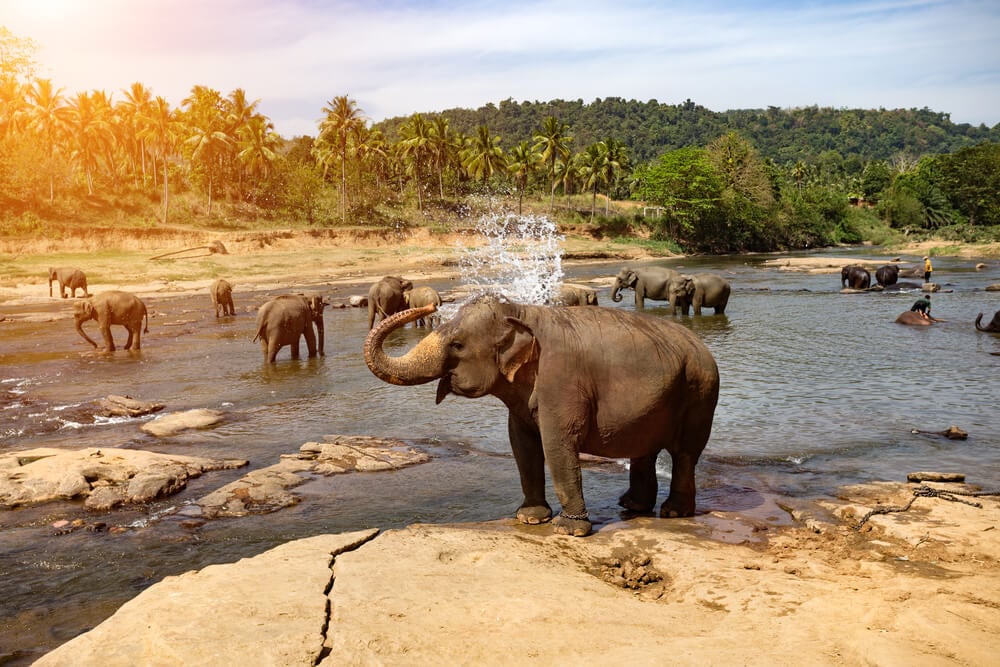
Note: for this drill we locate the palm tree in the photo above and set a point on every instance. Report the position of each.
(342, 122)
(483, 157)
(258, 144)
(521, 163)
(415, 148)
(48, 118)
(239, 113)
(373, 153)
(133, 108)
(617, 163)
(207, 139)
(553, 144)
(160, 130)
(90, 131)
(594, 169)
(444, 147)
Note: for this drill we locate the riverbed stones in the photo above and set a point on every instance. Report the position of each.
(125, 406)
(104, 478)
(267, 489)
(176, 422)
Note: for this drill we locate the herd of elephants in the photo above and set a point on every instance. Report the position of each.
(575, 380)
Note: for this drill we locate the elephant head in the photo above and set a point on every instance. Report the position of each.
(84, 311)
(625, 278)
(681, 288)
(992, 327)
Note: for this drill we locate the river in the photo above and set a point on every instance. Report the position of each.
(819, 389)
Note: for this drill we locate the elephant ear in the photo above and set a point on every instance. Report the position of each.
(515, 348)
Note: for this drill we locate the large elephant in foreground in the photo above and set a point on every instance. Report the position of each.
(68, 277)
(286, 318)
(651, 282)
(222, 297)
(992, 327)
(418, 297)
(697, 290)
(385, 298)
(855, 276)
(887, 274)
(599, 381)
(113, 307)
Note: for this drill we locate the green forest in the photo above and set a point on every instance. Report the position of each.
(696, 179)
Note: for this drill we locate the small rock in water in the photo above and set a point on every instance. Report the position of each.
(935, 477)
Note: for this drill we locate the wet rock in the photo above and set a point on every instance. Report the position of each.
(995, 287)
(176, 422)
(105, 478)
(931, 287)
(358, 301)
(952, 433)
(935, 477)
(125, 406)
(267, 489)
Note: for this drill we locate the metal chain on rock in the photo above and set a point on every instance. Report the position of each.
(928, 492)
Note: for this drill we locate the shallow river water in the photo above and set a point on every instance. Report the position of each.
(819, 389)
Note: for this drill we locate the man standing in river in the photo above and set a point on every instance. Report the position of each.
(927, 269)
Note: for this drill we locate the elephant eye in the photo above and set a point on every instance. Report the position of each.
(457, 346)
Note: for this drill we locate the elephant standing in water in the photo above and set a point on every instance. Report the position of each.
(68, 277)
(649, 283)
(885, 275)
(992, 327)
(574, 295)
(286, 318)
(385, 298)
(600, 381)
(699, 289)
(855, 276)
(421, 296)
(114, 307)
(222, 297)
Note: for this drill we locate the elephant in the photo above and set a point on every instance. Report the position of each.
(284, 319)
(575, 295)
(855, 276)
(421, 296)
(222, 297)
(914, 318)
(649, 283)
(699, 289)
(600, 381)
(886, 275)
(68, 277)
(385, 298)
(113, 307)
(992, 327)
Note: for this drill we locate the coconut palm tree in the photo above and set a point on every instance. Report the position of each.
(258, 145)
(48, 118)
(522, 161)
(483, 156)
(342, 122)
(415, 149)
(135, 106)
(552, 142)
(90, 131)
(593, 164)
(161, 131)
(617, 164)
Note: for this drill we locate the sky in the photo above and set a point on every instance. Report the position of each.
(399, 57)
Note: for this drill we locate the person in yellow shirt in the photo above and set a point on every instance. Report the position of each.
(927, 269)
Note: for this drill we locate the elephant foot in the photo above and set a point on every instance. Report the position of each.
(672, 509)
(577, 525)
(632, 504)
(534, 514)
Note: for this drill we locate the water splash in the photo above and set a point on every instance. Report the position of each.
(521, 258)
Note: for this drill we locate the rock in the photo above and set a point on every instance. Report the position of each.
(995, 287)
(935, 477)
(980, 266)
(125, 406)
(358, 301)
(179, 421)
(931, 287)
(266, 489)
(106, 478)
(952, 433)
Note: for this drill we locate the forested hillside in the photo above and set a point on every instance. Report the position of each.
(648, 129)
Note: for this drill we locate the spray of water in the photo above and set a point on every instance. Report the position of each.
(521, 259)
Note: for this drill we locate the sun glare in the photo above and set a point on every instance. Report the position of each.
(47, 9)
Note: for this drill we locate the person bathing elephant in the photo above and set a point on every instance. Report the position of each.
(113, 307)
(286, 318)
(385, 298)
(222, 297)
(575, 295)
(651, 282)
(992, 327)
(68, 277)
(699, 289)
(421, 296)
(855, 276)
(600, 381)
(885, 275)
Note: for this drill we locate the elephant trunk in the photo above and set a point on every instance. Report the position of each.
(423, 363)
(979, 318)
(615, 295)
(79, 329)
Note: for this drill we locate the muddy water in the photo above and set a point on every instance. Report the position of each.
(818, 389)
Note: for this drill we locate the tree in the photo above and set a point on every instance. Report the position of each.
(552, 142)
(595, 170)
(443, 145)
(161, 130)
(483, 157)
(89, 126)
(970, 178)
(48, 119)
(875, 178)
(522, 161)
(342, 123)
(17, 57)
(686, 184)
(257, 143)
(416, 145)
(207, 139)
(135, 107)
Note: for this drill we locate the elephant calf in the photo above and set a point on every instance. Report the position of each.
(68, 277)
(421, 296)
(385, 298)
(697, 290)
(222, 297)
(114, 307)
(286, 318)
(574, 295)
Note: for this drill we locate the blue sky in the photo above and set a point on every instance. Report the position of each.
(401, 57)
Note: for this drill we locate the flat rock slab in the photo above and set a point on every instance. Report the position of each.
(267, 610)
(105, 478)
(267, 489)
(125, 406)
(176, 422)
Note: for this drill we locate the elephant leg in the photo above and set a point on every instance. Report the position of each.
(684, 454)
(272, 349)
(697, 307)
(131, 337)
(641, 495)
(109, 342)
(263, 348)
(295, 347)
(562, 457)
(310, 339)
(138, 336)
(527, 447)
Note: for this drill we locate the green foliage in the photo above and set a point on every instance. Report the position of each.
(970, 179)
